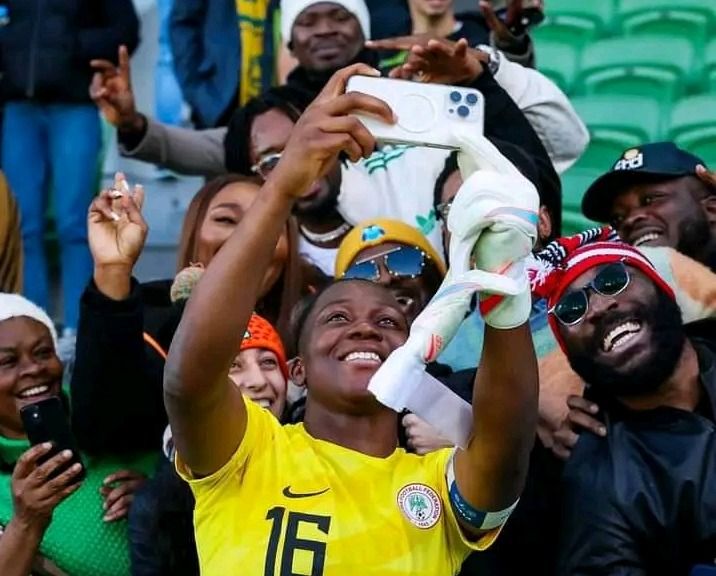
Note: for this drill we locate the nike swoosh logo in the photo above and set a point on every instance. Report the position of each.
(288, 494)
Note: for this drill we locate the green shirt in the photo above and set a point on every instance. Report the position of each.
(78, 540)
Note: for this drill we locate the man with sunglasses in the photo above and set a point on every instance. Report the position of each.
(639, 500)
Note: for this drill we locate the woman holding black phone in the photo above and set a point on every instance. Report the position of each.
(55, 518)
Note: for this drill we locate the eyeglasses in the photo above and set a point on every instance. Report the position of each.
(610, 281)
(443, 210)
(401, 262)
(266, 164)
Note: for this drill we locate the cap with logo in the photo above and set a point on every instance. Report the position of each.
(647, 163)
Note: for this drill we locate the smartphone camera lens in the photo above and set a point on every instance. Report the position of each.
(463, 111)
(455, 96)
(471, 99)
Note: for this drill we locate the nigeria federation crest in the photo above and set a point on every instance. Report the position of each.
(420, 504)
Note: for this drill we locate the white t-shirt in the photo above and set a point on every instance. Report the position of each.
(323, 258)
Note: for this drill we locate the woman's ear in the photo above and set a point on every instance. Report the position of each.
(544, 225)
(297, 371)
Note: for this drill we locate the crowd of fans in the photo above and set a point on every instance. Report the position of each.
(223, 416)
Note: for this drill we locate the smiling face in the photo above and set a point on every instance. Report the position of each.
(326, 36)
(666, 213)
(626, 344)
(30, 370)
(353, 327)
(223, 215)
(257, 373)
(270, 132)
(413, 294)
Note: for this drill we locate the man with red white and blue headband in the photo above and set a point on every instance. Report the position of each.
(640, 499)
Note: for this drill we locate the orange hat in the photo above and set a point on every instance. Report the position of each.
(260, 334)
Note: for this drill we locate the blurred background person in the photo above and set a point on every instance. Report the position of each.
(51, 130)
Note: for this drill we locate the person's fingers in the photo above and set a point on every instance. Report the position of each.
(59, 496)
(440, 48)
(101, 208)
(124, 64)
(121, 475)
(705, 176)
(117, 493)
(410, 420)
(138, 195)
(120, 182)
(581, 403)
(119, 509)
(460, 50)
(566, 437)
(357, 102)
(351, 125)
(488, 13)
(337, 84)
(67, 478)
(43, 472)
(28, 460)
(130, 208)
(561, 452)
(104, 67)
(96, 88)
(514, 10)
(582, 420)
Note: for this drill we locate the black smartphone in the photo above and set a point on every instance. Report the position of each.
(47, 421)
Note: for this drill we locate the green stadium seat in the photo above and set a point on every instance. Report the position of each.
(575, 22)
(651, 66)
(615, 115)
(710, 65)
(557, 61)
(693, 126)
(688, 19)
(574, 184)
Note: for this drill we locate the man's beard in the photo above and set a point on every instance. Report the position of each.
(664, 320)
(694, 237)
(319, 208)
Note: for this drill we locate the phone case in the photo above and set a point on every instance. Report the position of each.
(47, 421)
(427, 114)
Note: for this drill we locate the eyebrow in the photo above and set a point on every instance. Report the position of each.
(231, 205)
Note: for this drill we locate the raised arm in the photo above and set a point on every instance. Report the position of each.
(206, 412)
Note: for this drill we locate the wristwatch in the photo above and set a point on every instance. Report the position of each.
(493, 64)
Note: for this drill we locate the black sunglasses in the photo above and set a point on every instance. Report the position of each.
(266, 164)
(403, 261)
(610, 281)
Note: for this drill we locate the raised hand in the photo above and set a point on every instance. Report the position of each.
(117, 232)
(706, 176)
(111, 91)
(35, 496)
(118, 491)
(421, 436)
(437, 60)
(326, 129)
(504, 38)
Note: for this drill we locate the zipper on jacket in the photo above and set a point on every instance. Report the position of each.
(33, 51)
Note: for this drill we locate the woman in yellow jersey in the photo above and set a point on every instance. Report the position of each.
(334, 495)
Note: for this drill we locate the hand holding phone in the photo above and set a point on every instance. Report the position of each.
(46, 422)
(427, 114)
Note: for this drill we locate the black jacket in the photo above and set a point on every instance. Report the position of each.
(47, 45)
(642, 501)
(117, 400)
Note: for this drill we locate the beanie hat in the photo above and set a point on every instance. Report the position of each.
(379, 231)
(16, 306)
(260, 334)
(291, 9)
(566, 259)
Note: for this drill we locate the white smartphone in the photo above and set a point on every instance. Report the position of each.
(427, 113)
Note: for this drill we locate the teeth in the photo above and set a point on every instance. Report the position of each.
(370, 356)
(264, 403)
(620, 335)
(34, 391)
(646, 238)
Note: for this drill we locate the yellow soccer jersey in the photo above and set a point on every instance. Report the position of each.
(288, 504)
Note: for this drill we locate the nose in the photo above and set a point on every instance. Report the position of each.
(30, 368)
(252, 378)
(599, 305)
(324, 27)
(364, 330)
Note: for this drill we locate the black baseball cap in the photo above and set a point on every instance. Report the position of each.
(648, 163)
